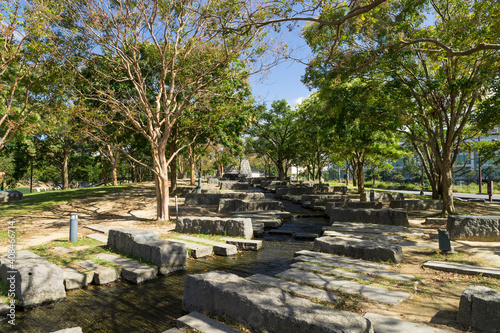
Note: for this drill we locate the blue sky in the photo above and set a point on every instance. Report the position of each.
(283, 80)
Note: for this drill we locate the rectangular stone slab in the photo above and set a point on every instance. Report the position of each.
(387, 216)
(463, 269)
(238, 227)
(330, 283)
(98, 228)
(220, 249)
(296, 288)
(130, 270)
(100, 237)
(361, 235)
(102, 275)
(480, 308)
(333, 257)
(393, 325)
(354, 267)
(197, 250)
(74, 279)
(264, 307)
(330, 271)
(202, 323)
(244, 244)
(360, 248)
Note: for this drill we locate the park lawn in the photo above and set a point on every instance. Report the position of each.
(43, 201)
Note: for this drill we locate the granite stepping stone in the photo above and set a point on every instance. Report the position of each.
(281, 232)
(221, 249)
(197, 250)
(102, 275)
(330, 271)
(384, 324)
(463, 269)
(74, 279)
(244, 244)
(130, 270)
(202, 323)
(333, 257)
(354, 267)
(299, 289)
(371, 231)
(381, 295)
(361, 235)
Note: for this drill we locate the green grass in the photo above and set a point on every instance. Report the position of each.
(46, 200)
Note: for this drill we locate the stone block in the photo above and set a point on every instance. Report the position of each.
(244, 244)
(264, 307)
(236, 205)
(376, 216)
(6, 196)
(197, 250)
(480, 308)
(168, 256)
(360, 248)
(363, 204)
(70, 330)
(474, 228)
(221, 249)
(421, 204)
(237, 186)
(74, 279)
(211, 199)
(37, 280)
(131, 271)
(237, 227)
(202, 323)
(383, 196)
(102, 275)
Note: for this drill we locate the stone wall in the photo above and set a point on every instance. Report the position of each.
(168, 256)
(238, 205)
(376, 216)
(478, 228)
(237, 186)
(383, 196)
(264, 307)
(237, 227)
(421, 204)
(200, 199)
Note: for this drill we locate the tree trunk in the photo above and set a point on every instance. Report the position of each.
(281, 170)
(361, 173)
(133, 173)
(173, 163)
(64, 169)
(161, 180)
(115, 167)
(447, 187)
(192, 166)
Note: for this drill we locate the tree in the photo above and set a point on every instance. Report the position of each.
(173, 54)
(435, 73)
(273, 134)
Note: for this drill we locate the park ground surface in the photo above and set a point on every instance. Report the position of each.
(435, 296)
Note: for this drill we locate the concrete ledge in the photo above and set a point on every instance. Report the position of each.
(376, 216)
(239, 227)
(477, 228)
(480, 308)
(359, 248)
(264, 307)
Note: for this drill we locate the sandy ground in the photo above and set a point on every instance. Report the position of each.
(435, 297)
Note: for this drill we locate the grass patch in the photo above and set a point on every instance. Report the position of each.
(46, 200)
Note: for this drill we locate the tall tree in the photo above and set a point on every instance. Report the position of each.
(172, 54)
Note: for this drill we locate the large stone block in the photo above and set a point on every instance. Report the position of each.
(480, 308)
(282, 191)
(422, 204)
(238, 227)
(237, 186)
(201, 199)
(359, 248)
(383, 196)
(168, 256)
(12, 195)
(238, 205)
(376, 216)
(478, 228)
(363, 204)
(36, 280)
(264, 307)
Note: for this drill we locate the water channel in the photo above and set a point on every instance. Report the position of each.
(154, 306)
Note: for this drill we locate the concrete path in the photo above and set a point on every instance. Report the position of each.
(296, 288)
(381, 295)
(131, 271)
(99, 237)
(354, 267)
(384, 324)
(202, 323)
(197, 250)
(221, 249)
(334, 257)
(330, 271)
(98, 228)
(463, 269)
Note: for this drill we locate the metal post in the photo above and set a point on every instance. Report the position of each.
(176, 209)
(198, 188)
(490, 190)
(372, 195)
(31, 177)
(73, 227)
(480, 173)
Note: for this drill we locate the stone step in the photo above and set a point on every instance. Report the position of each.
(296, 288)
(361, 235)
(74, 279)
(282, 232)
(130, 270)
(244, 244)
(354, 267)
(269, 223)
(393, 228)
(264, 213)
(99, 237)
(102, 275)
(258, 231)
(330, 271)
(220, 249)
(70, 330)
(371, 231)
(333, 257)
(463, 269)
(173, 330)
(197, 250)
(202, 323)
(381, 295)
(307, 236)
(384, 324)
(98, 228)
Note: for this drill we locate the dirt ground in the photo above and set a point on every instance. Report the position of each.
(435, 297)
